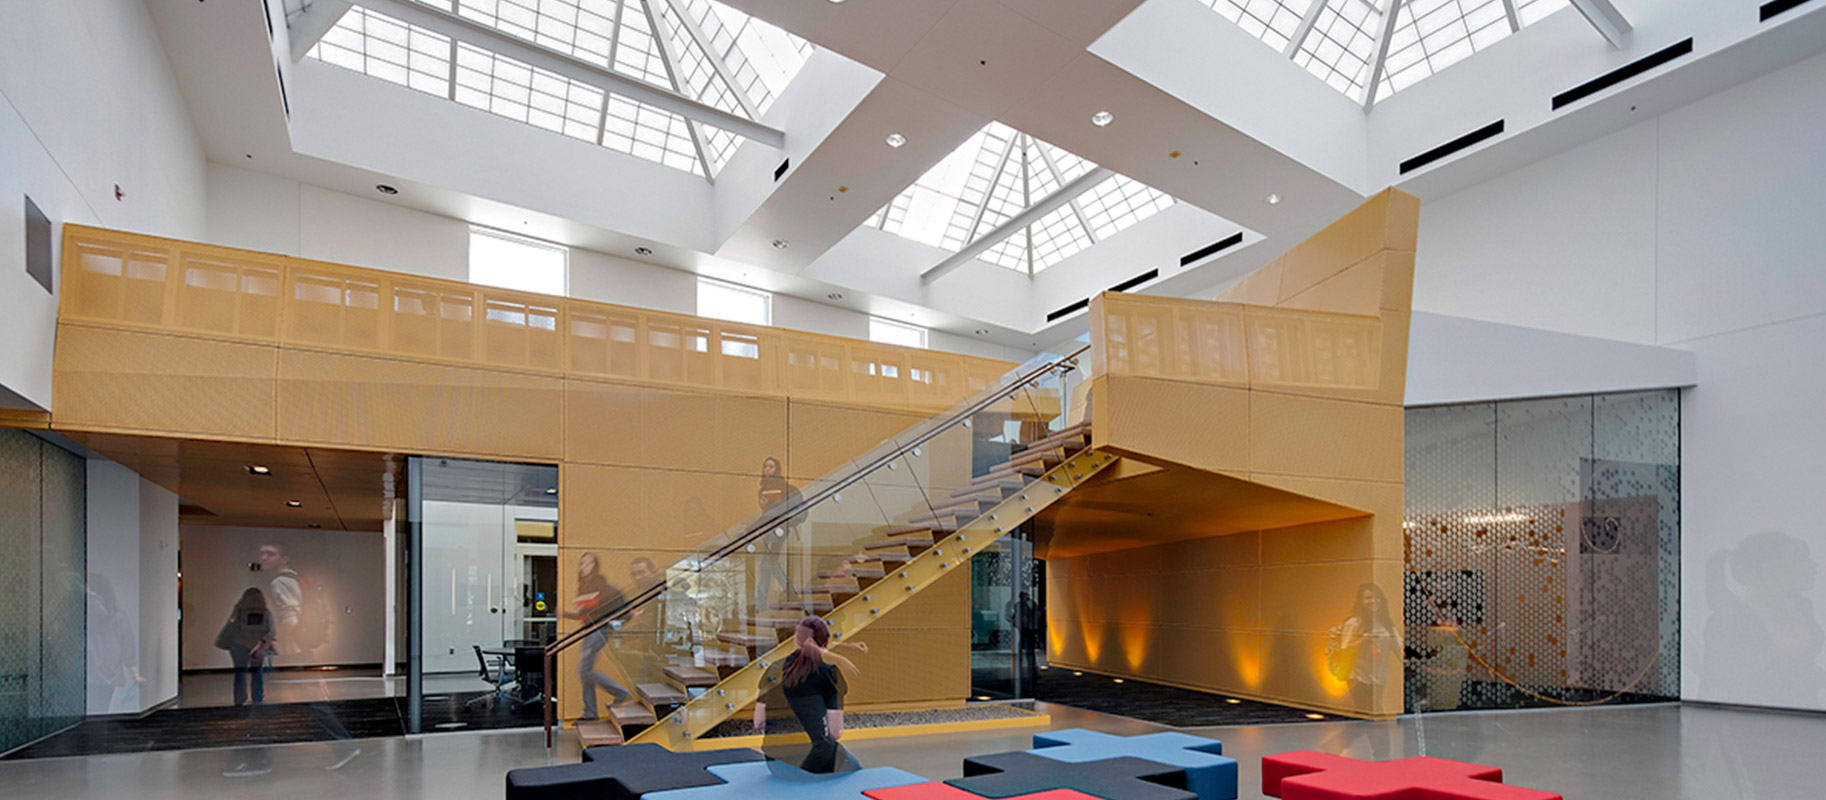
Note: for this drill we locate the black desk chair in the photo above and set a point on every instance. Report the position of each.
(498, 672)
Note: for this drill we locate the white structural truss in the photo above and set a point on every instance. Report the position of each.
(1011, 200)
(675, 82)
(1374, 48)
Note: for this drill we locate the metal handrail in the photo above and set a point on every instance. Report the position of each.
(779, 518)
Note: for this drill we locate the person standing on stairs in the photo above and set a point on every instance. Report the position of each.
(595, 600)
(774, 548)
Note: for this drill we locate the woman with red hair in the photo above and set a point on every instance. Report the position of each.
(811, 680)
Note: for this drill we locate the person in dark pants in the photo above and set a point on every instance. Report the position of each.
(595, 599)
(248, 638)
(1024, 616)
(811, 682)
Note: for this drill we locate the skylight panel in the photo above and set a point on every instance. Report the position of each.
(1341, 45)
(526, 94)
(637, 53)
(996, 176)
(654, 134)
(386, 48)
(1532, 11)
(1272, 21)
(775, 55)
(1434, 34)
(582, 28)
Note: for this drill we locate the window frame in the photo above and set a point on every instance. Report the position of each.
(925, 334)
(767, 301)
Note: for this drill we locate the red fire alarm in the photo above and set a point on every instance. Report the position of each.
(118, 194)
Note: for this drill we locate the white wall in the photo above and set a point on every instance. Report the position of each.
(87, 101)
(258, 211)
(1699, 229)
(133, 556)
(348, 568)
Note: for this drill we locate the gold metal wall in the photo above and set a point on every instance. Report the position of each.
(659, 421)
(1293, 379)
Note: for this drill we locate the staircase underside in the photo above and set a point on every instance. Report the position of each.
(1137, 504)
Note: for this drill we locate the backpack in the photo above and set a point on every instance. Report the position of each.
(1339, 660)
(313, 629)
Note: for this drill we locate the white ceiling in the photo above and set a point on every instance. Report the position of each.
(1202, 112)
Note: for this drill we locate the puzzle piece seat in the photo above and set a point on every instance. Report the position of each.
(622, 772)
(1309, 775)
(761, 781)
(945, 791)
(1209, 774)
(1006, 775)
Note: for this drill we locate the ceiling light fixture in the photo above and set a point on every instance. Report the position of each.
(643, 251)
(896, 140)
(316, 524)
(781, 244)
(1102, 118)
(385, 189)
(259, 469)
(1274, 199)
(293, 504)
(552, 490)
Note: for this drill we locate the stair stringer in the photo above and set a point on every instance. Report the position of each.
(679, 730)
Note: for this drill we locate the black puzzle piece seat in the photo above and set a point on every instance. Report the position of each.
(1128, 778)
(621, 772)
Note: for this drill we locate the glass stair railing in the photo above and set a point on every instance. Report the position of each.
(693, 649)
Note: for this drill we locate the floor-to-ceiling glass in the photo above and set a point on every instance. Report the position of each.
(483, 539)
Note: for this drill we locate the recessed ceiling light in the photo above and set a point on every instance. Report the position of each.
(835, 295)
(316, 525)
(385, 189)
(1102, 118)
(293, 504)
(553, 490)
(1118, 680)
(1315, 716)
(1274, 199)
(896, 140)
(643, 251)
(259, 469)
(781, 244)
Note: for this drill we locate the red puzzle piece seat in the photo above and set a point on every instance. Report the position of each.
(1308, 775)
(939, 790)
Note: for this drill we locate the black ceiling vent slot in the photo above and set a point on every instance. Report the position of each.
(1451, 147)
(1623, 73)
(1208, 250)
(1136, 281)
(284, 99)
(267, 9)
(780, 171)
(1778, 6)
(1068, 310)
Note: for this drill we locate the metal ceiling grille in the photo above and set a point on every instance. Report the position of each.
(698, 49)
(1350, 45)
(977, 196)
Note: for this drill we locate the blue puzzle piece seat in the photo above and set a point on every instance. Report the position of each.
(757, 781)
(1209, 774)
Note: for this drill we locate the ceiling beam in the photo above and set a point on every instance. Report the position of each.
(716, 59)
(308, 28)
(1018, 222)
(663, 39)
(1306, 22)
(476, 34)
(1384, 33)
(995, 178)
(1603, 15)
(1515, 18)
(1077, 209)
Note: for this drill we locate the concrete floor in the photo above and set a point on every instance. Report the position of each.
(210, 689)
(1658, 751)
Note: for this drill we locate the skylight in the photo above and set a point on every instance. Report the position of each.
(973, 196)
(698, 49)
(1339, 40)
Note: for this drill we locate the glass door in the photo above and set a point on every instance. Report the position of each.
(469, 577)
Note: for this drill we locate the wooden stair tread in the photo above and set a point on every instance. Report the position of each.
(899, 541)
(909, 530)
(748, 639)
(857, 571)
(632, 712)
(682, 675)
(660, 694)
(830, 588)
(724, 658)
(770, 622)
(797, 605)
(598, 732)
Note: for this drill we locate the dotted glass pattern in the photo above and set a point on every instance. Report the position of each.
(42, 589)
(1542, 552)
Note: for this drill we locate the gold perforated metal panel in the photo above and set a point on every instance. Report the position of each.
(637, 426)
(149, 382)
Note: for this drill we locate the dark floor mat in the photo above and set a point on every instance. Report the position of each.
(1164, 705)
(253, 726)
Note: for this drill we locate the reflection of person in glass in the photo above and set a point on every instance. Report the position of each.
(1368, 648)
(1025, 617)
(775, 494)
(113, 651)
(811, 681)
(287, 599)
(1765, 638)
(248, 638)
(595, 600)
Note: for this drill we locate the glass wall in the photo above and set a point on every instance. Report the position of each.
(1543, 543)
(43, 602)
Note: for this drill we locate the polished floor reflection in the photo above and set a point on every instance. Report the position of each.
(208, 689)
(1658, 751)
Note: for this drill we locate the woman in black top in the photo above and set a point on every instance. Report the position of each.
(811, 682)
(595, 599)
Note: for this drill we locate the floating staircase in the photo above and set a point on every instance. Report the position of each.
(903, 559)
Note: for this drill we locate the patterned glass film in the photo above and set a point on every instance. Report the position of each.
(42, 606)
(1543, 542)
